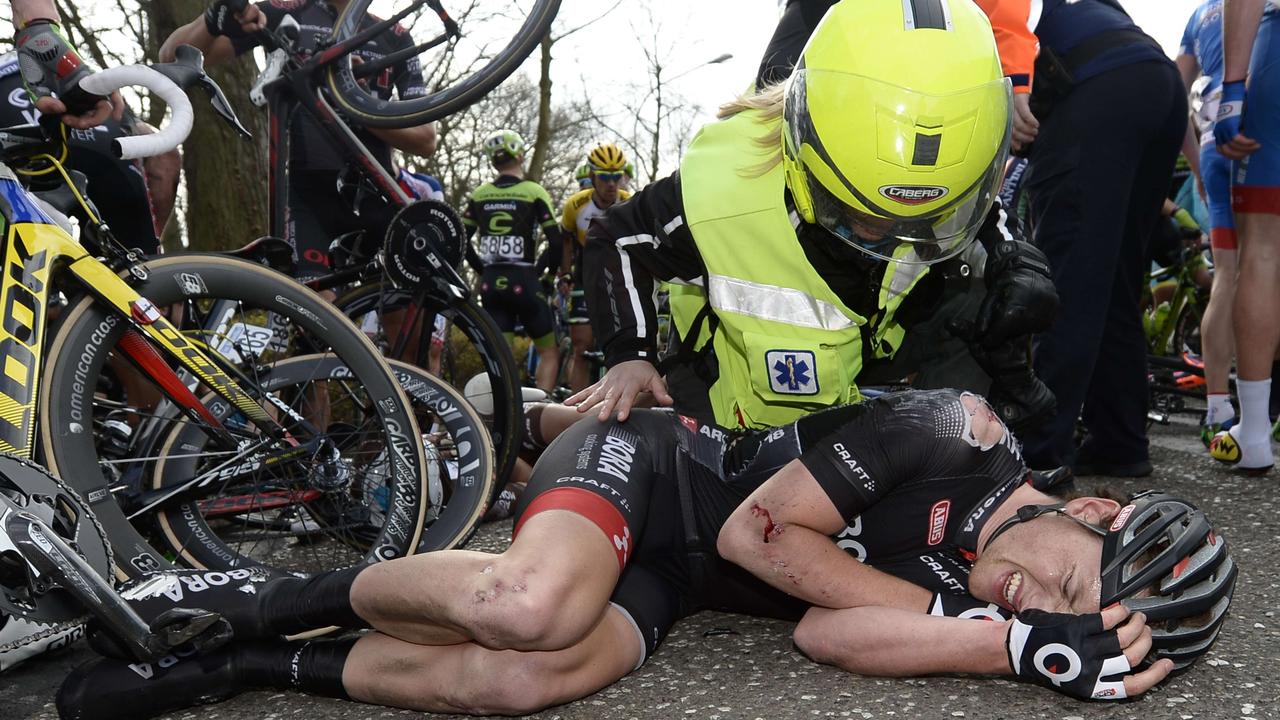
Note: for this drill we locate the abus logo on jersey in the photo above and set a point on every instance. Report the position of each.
(913, 194)
(938, 520)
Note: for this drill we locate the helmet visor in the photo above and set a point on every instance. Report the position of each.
(902, 175)
(922, 240)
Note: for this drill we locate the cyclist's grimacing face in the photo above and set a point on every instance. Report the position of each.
(1049, 563)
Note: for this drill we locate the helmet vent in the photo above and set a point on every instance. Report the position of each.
(926, 15)
(926, 150)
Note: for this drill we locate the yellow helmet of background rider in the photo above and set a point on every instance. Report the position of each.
(896, 126)
(606, 157)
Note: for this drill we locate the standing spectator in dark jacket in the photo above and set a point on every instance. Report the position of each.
(1101, 112)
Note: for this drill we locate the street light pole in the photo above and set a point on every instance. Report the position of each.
(654, 150)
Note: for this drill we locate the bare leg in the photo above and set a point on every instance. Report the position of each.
(525, 598)
(548, 367)
(580, 369)
(556, 419)
(1216, 334)
(1257, 325)
(1257, 307)
(469, 678)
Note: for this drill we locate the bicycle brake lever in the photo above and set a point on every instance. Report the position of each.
(187, 71)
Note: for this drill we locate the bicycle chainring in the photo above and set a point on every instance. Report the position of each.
(421, 237)
(31, 487)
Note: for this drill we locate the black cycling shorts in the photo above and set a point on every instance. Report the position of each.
(619, 476)
(317, 213)
(512, 295)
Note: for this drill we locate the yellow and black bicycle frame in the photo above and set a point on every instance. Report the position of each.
(35, 248)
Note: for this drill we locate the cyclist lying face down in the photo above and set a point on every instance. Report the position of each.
(871, 524)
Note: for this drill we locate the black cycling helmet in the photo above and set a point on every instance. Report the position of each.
(1162, 558)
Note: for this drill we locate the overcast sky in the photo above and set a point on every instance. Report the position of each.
(699, 30)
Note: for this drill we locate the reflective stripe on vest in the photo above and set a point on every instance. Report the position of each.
(786, 344)
(777, 304)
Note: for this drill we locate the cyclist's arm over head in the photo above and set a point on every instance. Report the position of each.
(866, 620)
(220, 35)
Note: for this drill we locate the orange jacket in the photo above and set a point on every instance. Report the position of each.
(1011, 22)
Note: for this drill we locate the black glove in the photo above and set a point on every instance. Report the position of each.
(51, 67)
(1069, 653)
(965, 606)
(1016, 394)
(220, 19)
(1021, 298)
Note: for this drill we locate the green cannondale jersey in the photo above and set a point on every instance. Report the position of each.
(505, 215)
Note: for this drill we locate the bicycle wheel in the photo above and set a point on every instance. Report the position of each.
(270, 319)
(475, 344)
(459, 473)
(449, 94)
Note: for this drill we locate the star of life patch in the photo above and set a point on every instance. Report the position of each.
(792, 372)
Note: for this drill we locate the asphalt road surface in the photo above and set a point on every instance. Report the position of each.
(718, 666)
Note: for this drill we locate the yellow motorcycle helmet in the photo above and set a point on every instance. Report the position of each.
(896, 125)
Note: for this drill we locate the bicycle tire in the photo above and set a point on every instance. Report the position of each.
(88, 334)
(506, 427)
(456, 504)
(371, 111)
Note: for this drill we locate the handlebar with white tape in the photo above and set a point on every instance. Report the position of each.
(174, 132)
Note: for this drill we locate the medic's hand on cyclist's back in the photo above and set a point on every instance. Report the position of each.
(52, 70)
(619, 388)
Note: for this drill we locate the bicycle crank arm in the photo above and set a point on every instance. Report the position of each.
(55, 567)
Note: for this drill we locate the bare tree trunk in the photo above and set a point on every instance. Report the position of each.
(225, 173)
(543, 138)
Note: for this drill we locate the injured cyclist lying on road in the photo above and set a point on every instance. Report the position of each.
(872, 525)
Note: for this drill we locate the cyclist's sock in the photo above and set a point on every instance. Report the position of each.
(233, 594)
(255, 604)
(533, 441)
(294, 605)
(1248, 443)
(1220, 410)
(1254, 424)
(313, 667)
(110, 689)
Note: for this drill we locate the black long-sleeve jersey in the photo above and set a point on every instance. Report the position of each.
(905, 470)
(644, 241)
